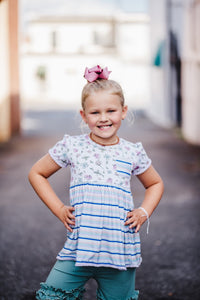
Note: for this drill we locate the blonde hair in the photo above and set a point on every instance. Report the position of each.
(102, 85)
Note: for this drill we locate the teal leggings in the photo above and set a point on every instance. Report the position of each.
(66, 282)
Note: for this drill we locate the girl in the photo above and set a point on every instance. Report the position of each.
(102, 224)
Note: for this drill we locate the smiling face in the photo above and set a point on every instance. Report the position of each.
(103, 113)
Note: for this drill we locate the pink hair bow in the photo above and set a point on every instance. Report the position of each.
(95, 73)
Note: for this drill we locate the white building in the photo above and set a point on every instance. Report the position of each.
(58, 48)
(175, 70)
(191, 74)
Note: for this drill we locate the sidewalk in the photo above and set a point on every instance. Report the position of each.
(31, 236)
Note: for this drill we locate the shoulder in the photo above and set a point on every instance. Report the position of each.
(137, 155)
(63, 150)
(131, 146)
(67, 142)
(73, 138)
(76, 139)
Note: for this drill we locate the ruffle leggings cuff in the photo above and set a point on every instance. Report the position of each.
(133, 297)
(51, 293)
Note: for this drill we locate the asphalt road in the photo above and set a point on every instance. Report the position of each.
(30, 236)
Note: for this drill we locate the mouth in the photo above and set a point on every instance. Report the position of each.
(104, 126)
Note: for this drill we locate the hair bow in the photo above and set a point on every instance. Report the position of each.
(96, 72)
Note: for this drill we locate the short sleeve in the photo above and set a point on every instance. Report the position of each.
(59, 152)
(143, 161)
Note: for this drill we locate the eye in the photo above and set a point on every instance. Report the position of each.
(111, 110)
(94, 112)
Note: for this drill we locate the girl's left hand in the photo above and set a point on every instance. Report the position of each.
(135, 218)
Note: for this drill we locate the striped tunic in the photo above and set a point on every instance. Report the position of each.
(101, 195)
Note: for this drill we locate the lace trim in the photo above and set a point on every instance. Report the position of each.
(49, 292)
(133, 297)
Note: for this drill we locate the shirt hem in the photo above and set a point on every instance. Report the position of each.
(97, 265)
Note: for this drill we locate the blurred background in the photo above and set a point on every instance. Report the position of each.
(151, 46)
(153, 50)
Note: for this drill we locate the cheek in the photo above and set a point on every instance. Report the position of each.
(91, 120)
(117, 118)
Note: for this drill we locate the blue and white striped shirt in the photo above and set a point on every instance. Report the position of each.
(100, 192)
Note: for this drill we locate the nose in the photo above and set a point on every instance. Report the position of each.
(103, 117)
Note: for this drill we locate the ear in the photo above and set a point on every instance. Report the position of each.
(82, 113)
(124, 111)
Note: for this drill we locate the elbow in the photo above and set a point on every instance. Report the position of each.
(158, 186)
(35, 176)
(30, 175)
(162, 187)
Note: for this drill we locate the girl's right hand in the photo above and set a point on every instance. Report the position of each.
(66, 216)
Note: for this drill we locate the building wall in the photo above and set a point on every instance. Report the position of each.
(14, 66)
(68, 37)
(9, 78)
(55, 75)
(191, 74)
(159, 109)
(175, 71)
(5, 128)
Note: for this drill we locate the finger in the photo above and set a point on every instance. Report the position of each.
(70, 216)
(137, 228)
(68, 227)
(130, 214)
(134, 224)
(129, 221)
(69, 221)
(71, 208)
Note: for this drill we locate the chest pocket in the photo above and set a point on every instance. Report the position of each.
(124, 168)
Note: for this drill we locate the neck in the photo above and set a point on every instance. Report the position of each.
(104, 143)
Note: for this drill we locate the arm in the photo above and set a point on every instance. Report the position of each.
(38, 175)
(154, 186)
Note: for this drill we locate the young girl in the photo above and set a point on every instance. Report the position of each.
(102, 224)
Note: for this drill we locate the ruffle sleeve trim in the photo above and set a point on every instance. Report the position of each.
(59, 152)
(143, 161)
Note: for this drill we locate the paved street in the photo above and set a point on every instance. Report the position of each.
(30, 236)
